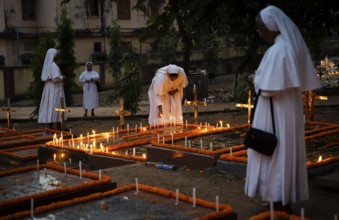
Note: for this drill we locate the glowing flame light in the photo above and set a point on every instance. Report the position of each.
(320, 158)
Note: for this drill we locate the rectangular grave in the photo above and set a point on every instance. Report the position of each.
(30, 137)
(46, 184)
(131, 202)
(20, 155)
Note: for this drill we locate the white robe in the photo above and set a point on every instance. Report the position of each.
(282, 176)
(158, 95)
(90, 92)
(53, 90)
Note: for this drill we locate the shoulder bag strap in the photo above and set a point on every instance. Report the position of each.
(271, 107)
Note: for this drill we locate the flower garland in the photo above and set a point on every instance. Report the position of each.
(224, 209)
(9, 152)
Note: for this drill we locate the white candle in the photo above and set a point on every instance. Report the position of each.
(185, 141)
(200, 143)
(136, 185)
(176, 196)
(271, 210)
(335, 217)
(186, 123)
(231, 151)
(158, 138)
(211, 146)
(70, 160)
(65, 168)
(133, 151)
(221, 124)
(140, 125)
(189, 143)
(80, 169)
(136, 128)
(193, 193)
(32, 208)
(37, 165)
(302, 214)
(54, 157)
(163, 140)
(172, 139)
(127, 128)
(99, 174)
(217, 203)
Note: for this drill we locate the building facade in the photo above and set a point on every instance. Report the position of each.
(22, 21)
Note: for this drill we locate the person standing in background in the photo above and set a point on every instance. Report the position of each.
(165, 95)
(90, 91)
(53, 91)
(285, 71)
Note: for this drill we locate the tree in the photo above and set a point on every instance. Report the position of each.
(65, 47)
(34, 92)
(125, 68)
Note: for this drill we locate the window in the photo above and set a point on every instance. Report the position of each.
(28, 9)
(154, 6)
(93, 7)
(97, 47)
(124, 9)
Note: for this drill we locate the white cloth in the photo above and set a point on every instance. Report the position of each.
(158, 95)
(281, 74)
(53, 90)
(90, 92)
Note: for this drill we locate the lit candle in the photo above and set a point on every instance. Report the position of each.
(81, 142)
(107, 137)
(176, 196)
(87, 137)
(70, 160)
(136, 186)
(127, 128)
(133, 151)
(186, 123)
(54, 157)
(189, 143)
(217, 203)
(193, 196)
(80, 169)
(140, 125)
(220, 124)
(136, 128)
(99, 174)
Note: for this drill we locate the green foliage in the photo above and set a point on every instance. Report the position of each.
(34, 92)
(115, 56)
(128, 81)
(67, 62)
(244, 85)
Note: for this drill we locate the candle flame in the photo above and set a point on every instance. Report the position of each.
(62, 155)
(320, 158)
(144, 155)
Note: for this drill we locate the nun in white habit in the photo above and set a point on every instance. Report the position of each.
(285, 71)
(53, 91)
(90, 92)
(165, 95)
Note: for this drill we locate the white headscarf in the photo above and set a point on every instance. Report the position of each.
(303, 75)
(86, 66)
(47, 70)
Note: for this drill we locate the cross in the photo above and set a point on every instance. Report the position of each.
(195, 103)
(122, 113)
(249, 106)
(8, 110)
(62, 111)
(309, 98)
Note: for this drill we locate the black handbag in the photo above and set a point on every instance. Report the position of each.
(99, 88)
(259, 140)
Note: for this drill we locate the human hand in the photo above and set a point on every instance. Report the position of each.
(172, 92)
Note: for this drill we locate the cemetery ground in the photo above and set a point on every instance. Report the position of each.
(209, 182)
